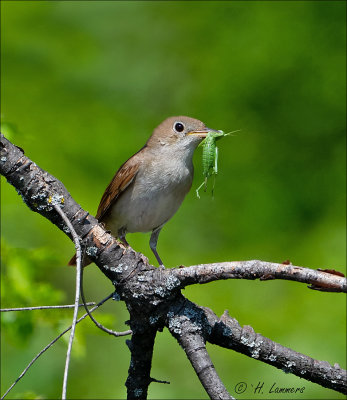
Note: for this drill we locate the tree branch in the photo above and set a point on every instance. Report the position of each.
(188, 325)
(255, 269)
(227, 332)
(40, 191)
(141, 349)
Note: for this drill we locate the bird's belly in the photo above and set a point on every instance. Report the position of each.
(145, 206)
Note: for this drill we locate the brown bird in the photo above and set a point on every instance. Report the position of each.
(148, 189)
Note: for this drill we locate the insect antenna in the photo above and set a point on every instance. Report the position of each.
(231, 133)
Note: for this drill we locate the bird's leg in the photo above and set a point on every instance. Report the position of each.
(121, 236)
(124, 241)
(153, 245)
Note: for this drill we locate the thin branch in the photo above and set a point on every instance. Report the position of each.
(77, 294)
(51, 344)
(188, 329)
(159, 381)
(92, 303)
(100, 326)
(255, 269)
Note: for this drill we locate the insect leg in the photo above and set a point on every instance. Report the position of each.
(205, 182)
(197, 190)
(214, 182)
(215, 170)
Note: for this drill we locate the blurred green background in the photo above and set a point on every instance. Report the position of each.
(85, 83)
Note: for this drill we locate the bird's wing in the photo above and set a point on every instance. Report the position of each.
(122, 179)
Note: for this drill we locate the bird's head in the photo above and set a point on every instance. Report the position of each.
(179, 133)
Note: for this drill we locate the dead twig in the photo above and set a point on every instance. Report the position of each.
(100, 326)
(92, 303)
(51, 344)
(77, 294)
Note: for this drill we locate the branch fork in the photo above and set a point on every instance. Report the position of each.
(153, 296)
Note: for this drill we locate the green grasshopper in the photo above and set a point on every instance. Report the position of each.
(210, 157)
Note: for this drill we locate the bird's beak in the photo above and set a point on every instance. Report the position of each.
(202, 133)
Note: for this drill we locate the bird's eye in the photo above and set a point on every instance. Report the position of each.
(178, 127)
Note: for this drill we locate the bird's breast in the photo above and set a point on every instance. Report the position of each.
(154, 196)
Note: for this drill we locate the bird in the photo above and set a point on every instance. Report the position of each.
(150, 186)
